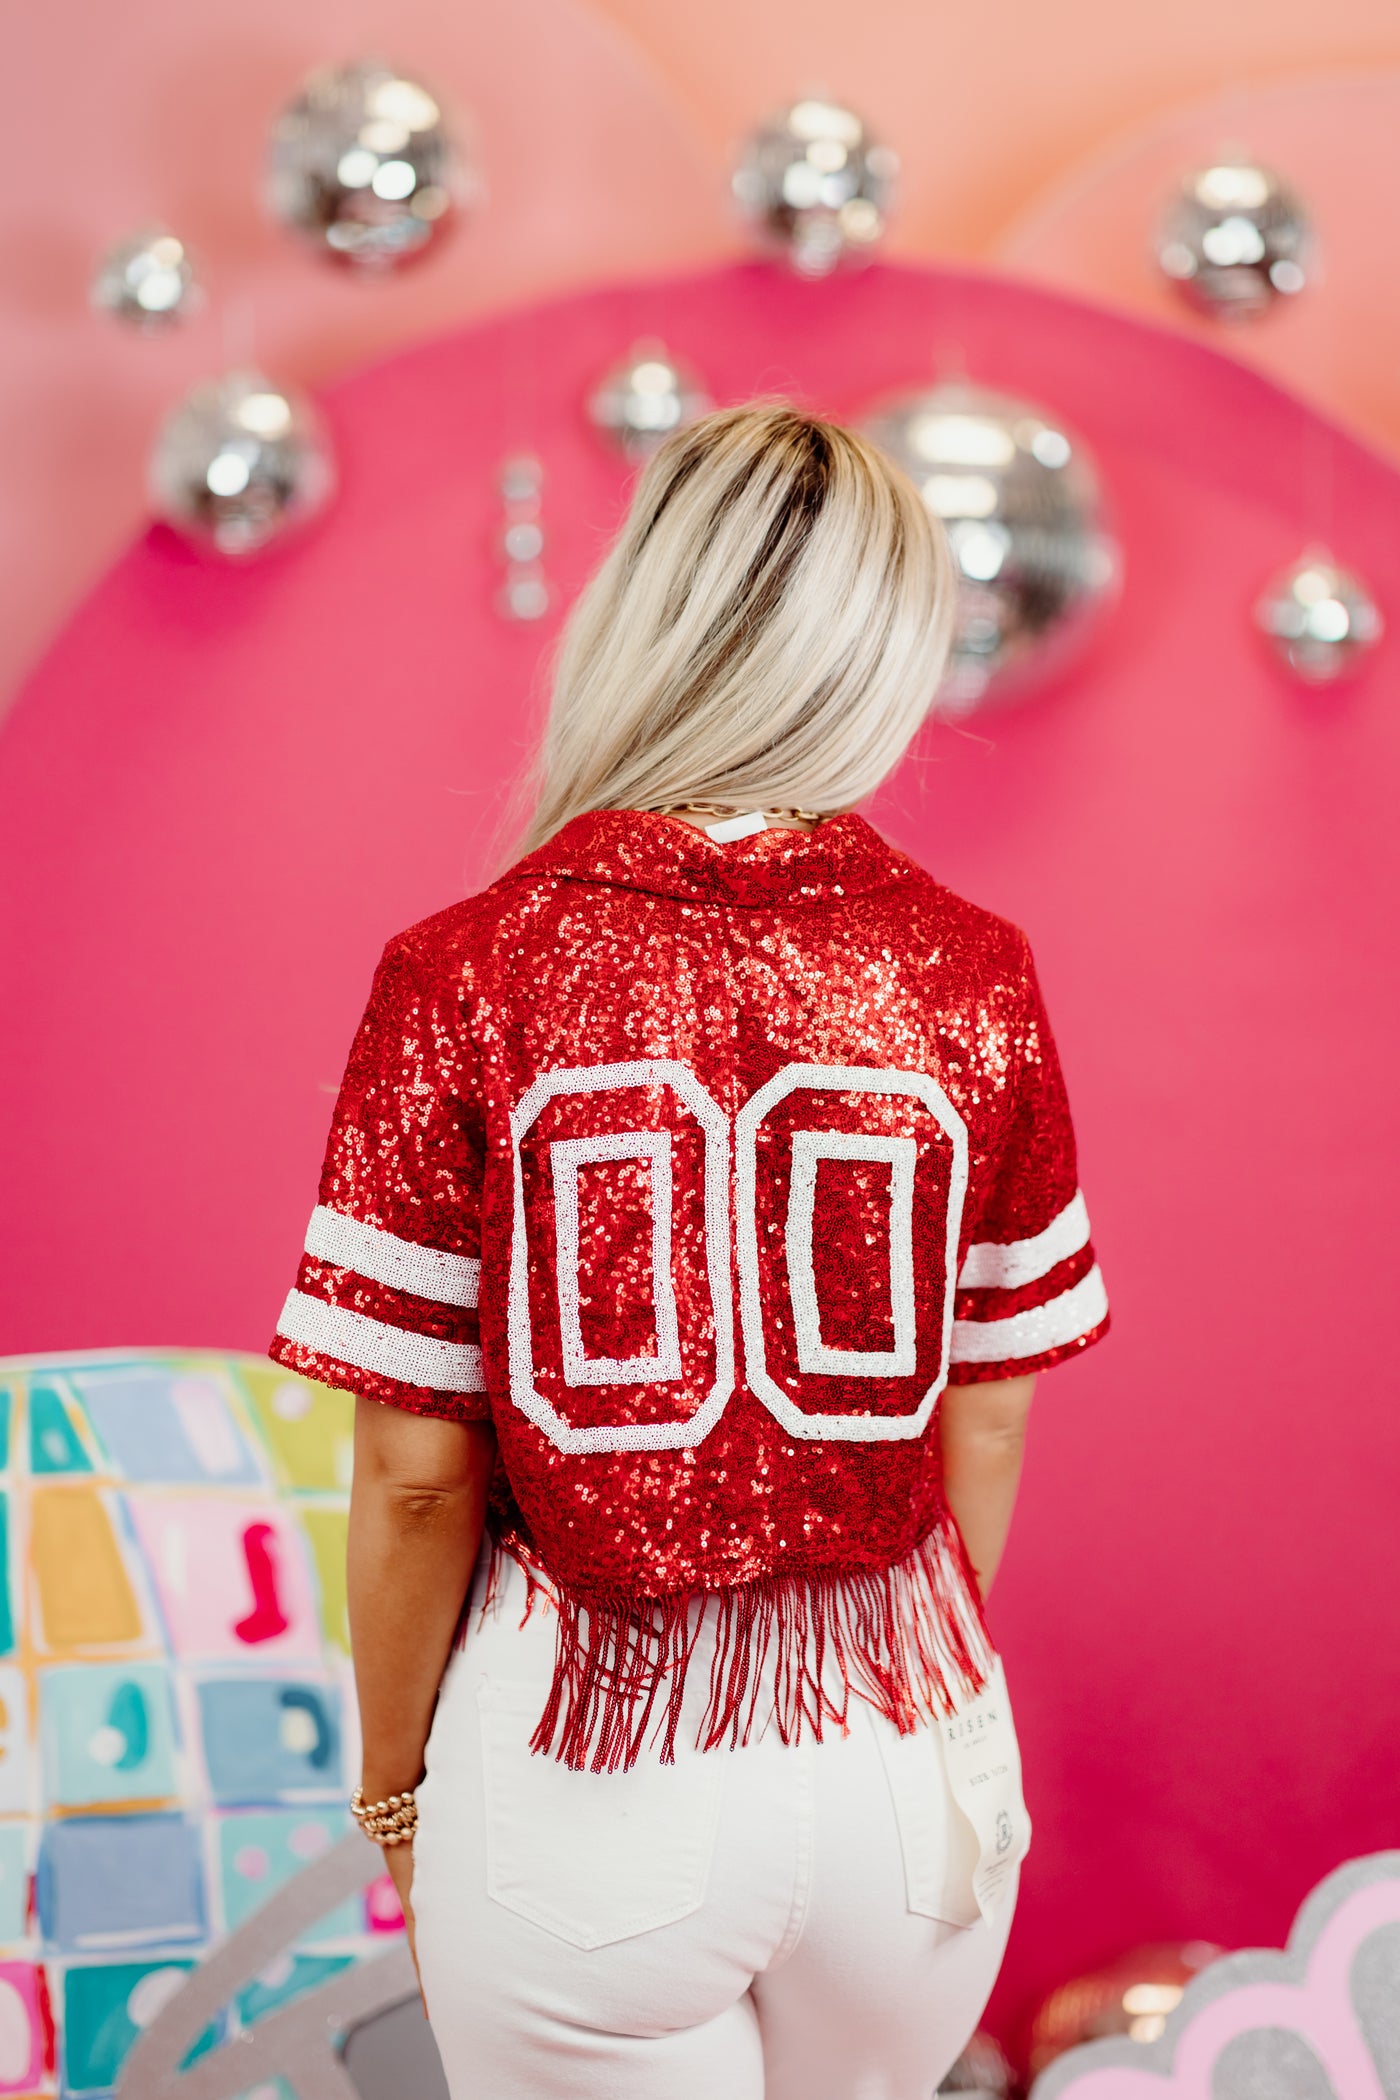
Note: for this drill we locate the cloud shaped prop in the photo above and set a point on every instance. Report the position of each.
(1320, 2021)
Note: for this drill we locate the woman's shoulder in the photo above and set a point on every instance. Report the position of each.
(452, 939)
(445, 941)
(903, 908)
(936, 913)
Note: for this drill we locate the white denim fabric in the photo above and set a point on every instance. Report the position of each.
(774, 1922)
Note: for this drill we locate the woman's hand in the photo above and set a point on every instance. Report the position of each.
(398, 1861)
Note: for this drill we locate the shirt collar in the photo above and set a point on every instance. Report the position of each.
(642, 850)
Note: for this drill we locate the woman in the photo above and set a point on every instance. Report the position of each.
(699, 1205)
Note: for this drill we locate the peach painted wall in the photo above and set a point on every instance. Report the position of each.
(991, 105)
(605, 131)
(1337, 136)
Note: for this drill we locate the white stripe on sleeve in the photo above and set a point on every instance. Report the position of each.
(448, 1279)
(372, 1345)
(1075, 1313)
(1006, 1268)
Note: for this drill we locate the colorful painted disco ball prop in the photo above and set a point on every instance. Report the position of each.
(177, 1730)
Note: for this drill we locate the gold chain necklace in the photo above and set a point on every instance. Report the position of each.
(715, 809)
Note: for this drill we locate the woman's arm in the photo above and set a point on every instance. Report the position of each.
(417, 1510)
(982, 1429)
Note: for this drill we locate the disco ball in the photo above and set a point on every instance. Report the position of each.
(1131, 1997)
(982, 2072)
(816, 184)
(241, 460)
(1235, 239)
(1319, 618)
(177, 1718)
(642, 400)
(147, 280)
(1018, 496)
(363, 166)
(525, 592)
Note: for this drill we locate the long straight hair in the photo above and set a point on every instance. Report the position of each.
(766, 632)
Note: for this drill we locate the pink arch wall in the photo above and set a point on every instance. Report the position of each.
(224, 788)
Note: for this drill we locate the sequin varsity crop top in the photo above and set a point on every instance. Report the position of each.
(700, 1169)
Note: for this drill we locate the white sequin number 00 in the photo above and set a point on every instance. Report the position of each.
(652, 1148)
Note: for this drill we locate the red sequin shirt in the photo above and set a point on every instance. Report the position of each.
(699, 1170)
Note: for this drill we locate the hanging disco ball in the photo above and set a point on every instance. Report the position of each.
(239, 462)
(362, 166)
(1131, 1997)
(1235, 239)
(982, 2072)
(525, 592)
(816, 184)
(147, 280)
(1019, 499)
(642, 400)
(1319, 618)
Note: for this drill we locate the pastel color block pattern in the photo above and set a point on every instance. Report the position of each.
(175, 1430)
(326, 1534)
(86, 1595)
(16, 1741)
(260, 1852)
(309, 1429)
(383, 1911)
(121, 1881)
(176, 1729)
(14, 1883)
(289, 1979)
(108, 1733)
(54, 1443)
(104, 2009)
(232, 1578)
(24, 2051)
(7, 1617)
(266, 1737)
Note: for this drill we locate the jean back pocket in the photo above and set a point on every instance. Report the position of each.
(592, 1857)
(937, 1841)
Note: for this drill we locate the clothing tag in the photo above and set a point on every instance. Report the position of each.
(737, 827)
(984, 1771)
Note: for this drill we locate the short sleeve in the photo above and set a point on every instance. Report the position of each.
(1029, 1288)
(385, 1301)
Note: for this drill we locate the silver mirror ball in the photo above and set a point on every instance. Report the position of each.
(1018, 495)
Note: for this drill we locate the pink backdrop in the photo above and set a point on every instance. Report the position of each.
(224, 788)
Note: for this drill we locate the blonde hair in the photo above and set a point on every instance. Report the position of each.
(766, 632)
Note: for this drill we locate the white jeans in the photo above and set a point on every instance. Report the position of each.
(773, 1922)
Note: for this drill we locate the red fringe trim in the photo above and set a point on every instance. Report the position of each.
(910, 1639)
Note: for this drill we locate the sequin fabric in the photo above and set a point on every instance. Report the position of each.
(640, 1044)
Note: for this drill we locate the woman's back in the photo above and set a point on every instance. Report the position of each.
(696, 1211)
(724, 1124)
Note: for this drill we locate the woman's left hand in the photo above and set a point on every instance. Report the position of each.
(398, 1859)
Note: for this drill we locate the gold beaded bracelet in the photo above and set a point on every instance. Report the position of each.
(390, 1822)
